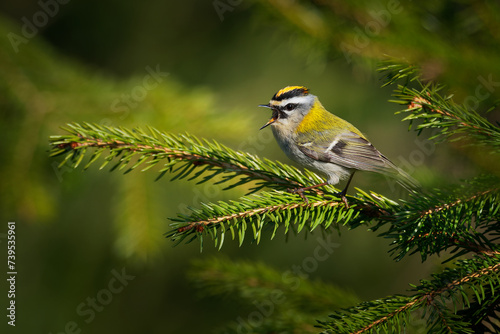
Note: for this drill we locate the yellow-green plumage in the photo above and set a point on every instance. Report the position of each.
(318, 119)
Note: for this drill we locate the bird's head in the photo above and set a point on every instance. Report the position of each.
(289, 106)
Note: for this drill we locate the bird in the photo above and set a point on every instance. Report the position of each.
(319, 140)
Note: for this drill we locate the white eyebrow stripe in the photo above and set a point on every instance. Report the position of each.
(332, 145)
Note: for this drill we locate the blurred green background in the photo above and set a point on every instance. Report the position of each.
(214, 62)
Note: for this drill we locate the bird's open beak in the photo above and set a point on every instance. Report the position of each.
(274, 117)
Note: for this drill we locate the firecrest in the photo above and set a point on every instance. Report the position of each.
(317, 139)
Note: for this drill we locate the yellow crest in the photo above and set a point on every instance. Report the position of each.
(290, 91)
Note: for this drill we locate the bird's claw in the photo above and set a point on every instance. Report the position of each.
(300, 192)
(343, 198)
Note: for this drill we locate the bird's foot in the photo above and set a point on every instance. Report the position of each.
(300, 192)
(343, 198)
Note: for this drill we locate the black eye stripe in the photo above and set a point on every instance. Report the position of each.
(282, 114)
(288, 107)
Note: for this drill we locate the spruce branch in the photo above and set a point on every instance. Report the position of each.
(275, 209)
(441, 220)
(182, 155)
(440, 297)
(428, 108)
(395, 70)
(484, 315)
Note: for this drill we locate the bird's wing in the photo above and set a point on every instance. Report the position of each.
(347, 149)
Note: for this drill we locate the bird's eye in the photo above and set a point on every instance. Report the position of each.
(290, 106)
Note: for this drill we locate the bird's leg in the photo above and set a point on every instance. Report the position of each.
(300, 191)
(344, 192)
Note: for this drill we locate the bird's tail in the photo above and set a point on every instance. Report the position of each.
(405, 180)
(400, 176)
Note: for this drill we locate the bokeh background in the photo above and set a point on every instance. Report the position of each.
(215, 61)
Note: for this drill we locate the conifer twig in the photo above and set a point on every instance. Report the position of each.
(475, 273)
(150, 148)
(429, 109)
(196, 159)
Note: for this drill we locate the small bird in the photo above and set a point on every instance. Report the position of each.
(317, 139)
